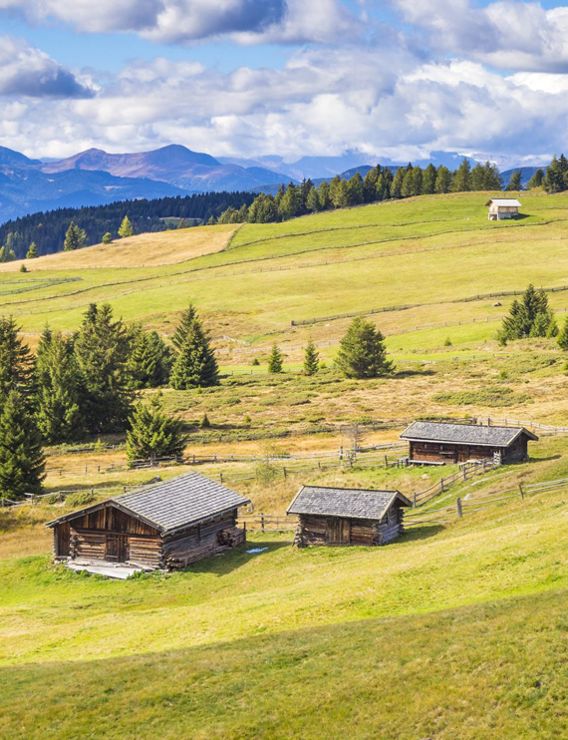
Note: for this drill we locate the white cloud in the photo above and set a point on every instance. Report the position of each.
(384, 102)
(507, 34)
(186, 21)
(26, 71)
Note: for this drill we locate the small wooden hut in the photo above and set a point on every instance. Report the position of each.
(441, 442)
(168, 525)
(503, 208)
(347, 516)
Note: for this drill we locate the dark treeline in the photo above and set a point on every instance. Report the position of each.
(47, 229)
(380, 183)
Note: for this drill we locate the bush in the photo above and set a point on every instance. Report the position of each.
(82, 498)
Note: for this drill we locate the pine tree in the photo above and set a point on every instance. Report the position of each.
(125, 229)
(149, 360)
(32, 252)
(536, 180)
(184, 326)
(362, 352)
(529, 317)
(58, 387)
(107, 238)
(22, 462)
(311, 359)
(461, 181)
(275, 360)
(396, 185)
(153, 434)
(515, 183)
(75, 238)
(443, 179)
(16, 362)
(429, 180)
(101, 349)
(313, 201)
(563, 336)
(195, 365)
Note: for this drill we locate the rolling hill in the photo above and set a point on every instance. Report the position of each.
(457, 629)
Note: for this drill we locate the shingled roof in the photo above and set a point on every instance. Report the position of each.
(473, 434)
(351, 503)
(177, 503)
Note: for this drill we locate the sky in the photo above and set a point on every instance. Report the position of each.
(393, 79)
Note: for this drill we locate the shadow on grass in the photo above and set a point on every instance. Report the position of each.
(418, 532)
(543, 459)
(230, 560)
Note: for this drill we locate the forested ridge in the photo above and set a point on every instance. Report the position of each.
(47, 230)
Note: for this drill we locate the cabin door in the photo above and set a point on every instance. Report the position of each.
(338, 531)
(116, 548)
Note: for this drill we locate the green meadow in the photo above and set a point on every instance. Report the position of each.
(456, 630)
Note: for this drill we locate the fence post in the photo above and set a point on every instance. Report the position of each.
(521, 491)
(262, 522)
(465, 471)
(442, 486)
(221, 477)
(285, 473)
(414, 501)
(459, 507)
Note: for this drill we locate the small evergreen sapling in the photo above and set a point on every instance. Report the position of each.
(311, 359)
(275, 360)
(125, 229)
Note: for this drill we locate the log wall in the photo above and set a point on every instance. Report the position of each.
(322, 530)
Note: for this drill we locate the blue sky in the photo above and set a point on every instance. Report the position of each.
(392, 79)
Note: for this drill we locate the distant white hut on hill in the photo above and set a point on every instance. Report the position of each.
(503, 208)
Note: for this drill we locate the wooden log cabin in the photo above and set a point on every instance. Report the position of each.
(347, 516)
(169, 525)
(440, 442)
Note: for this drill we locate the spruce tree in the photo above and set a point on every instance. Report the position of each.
(58, 387)
(32, 252)
(125, 229)
(429, 180)
(563, 336)
(107, 238)
(22, 462)
(184, 326)
(461, 181)
(536, 180)
(154, 434)
(515, 183)
(75, 238)
(16, 362)
(311, 359)
(275, 360)
(195, 364)
(362, 352)
(443, 179)
(101, 349)
(149, 360)
(529, 317)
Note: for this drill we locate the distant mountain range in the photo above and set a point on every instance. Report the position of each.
(95, 177)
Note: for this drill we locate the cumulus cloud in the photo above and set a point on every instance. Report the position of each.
(506, 34)
(185, 21)
(27, 71)
(385, 102)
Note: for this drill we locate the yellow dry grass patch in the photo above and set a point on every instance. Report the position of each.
(143, 250)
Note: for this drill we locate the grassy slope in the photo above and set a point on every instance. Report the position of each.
(449, 632)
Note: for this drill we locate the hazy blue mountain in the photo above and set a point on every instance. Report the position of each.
(191, 171)
(526, 174)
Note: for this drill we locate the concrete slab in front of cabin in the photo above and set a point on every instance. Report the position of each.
(108, 570)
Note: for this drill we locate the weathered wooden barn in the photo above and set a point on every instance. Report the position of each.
(503, 208)
(347, 516)
(168, 525)
(440, 442)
